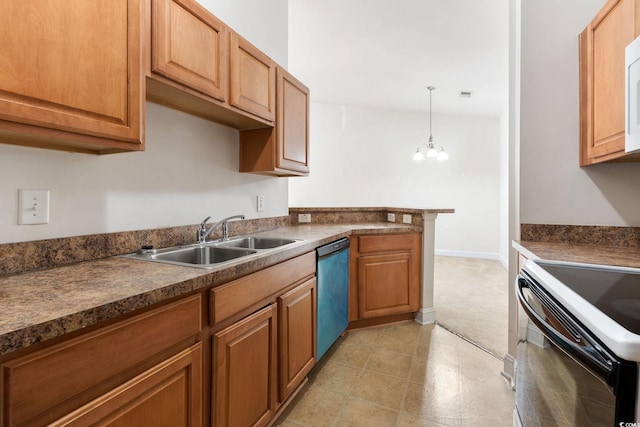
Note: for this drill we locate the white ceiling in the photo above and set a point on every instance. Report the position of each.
(385, 53)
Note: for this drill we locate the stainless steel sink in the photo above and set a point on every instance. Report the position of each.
(212, 254)
(201, 255)
(251, 242)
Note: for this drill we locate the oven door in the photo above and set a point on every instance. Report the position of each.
(564, 375)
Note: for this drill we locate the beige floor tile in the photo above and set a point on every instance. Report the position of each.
(315, 407)
(335, 377)
(401, 337)
(283, 422)
(432, 401)
(350, 352)
(380, 389)
(406, 420)
(443, 347)
(359, 413)
(488, 422)
(364, 337)
(390, 363)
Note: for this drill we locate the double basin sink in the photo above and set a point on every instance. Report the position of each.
(212, 254)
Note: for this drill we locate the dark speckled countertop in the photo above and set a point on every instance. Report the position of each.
(39, 305)
(623, 256)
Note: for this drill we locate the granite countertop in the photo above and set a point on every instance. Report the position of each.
(623, 256)
(39, 305)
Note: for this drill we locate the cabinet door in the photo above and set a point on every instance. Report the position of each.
(292, 124)
(252, 76)
(190, 46)
(602, 81)
(386, 285)
(297, 320)
(72, 66)
(168, 394)
(244, 371)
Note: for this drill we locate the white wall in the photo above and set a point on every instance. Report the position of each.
(503, 210)
(188, 171)
(263, 22)
(554, 189)
(362, 157)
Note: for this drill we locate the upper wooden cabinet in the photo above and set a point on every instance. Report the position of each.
(602, 82)
(71, 76)
(190, 47)
(253, 79)
(283, 150)
(200, 66)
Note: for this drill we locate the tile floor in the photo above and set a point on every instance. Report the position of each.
(403, 375)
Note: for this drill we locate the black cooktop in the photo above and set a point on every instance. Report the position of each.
(615, 293)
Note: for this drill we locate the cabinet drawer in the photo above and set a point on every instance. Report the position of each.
(233, 297)
(167, 394)
(387, 242)
(44, 379)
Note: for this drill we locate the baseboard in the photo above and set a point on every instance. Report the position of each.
(473, 254)
(426, 316)
(509, 370)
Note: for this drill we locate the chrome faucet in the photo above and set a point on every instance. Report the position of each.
(202, 232)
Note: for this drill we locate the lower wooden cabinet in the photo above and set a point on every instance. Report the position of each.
(168, 395)
(50, 383)
(175, 365)
(275, 345)
(244, 371)
(385, 275)
(297, 320)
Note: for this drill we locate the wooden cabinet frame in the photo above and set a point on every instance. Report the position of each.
(602, 82)
(190, 46)
(72, 75)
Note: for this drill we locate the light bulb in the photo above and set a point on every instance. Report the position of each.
(442, 155)
(418, 156)
(431, 150)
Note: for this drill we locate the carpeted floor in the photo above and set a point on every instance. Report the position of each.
(471, 300)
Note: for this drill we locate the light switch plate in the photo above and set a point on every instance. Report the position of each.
(33, 207)
(406, 218)
(391, 217)
(260, 203)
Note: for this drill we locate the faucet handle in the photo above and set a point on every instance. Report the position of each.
(204, 221)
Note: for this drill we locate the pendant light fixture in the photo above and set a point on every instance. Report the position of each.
(433, 149)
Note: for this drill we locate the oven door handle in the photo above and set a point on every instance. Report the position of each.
(590, 358)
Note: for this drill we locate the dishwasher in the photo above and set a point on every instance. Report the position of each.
(333, 293)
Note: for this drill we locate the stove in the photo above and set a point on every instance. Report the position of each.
(578, 344)
(606, 299)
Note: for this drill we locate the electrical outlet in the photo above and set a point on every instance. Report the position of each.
(391, 217)
(406, 218)
(260, 203)
(302, 218)
(33, 207)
